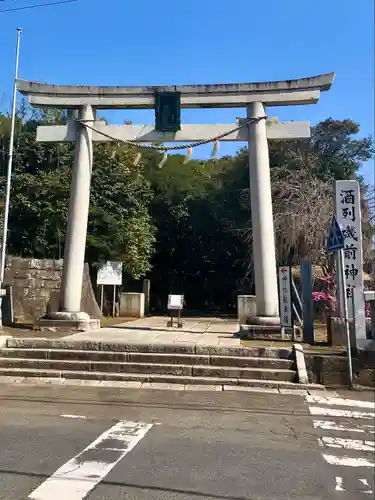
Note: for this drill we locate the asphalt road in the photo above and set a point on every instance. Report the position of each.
(69, 443)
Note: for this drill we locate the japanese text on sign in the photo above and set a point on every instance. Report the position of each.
(285, 292)
(348, 214)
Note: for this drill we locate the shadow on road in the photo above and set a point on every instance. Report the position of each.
(275, 404)
(136, 486)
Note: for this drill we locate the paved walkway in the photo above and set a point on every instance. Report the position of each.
(197, 331)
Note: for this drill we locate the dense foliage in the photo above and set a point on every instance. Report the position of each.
(186, 227)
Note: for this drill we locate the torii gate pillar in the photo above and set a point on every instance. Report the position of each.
(78, 211)
(264, 256)
(76, 231)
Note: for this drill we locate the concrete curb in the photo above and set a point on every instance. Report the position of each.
(301, 365)
(91, 345)
(97, 377)
(34, 381)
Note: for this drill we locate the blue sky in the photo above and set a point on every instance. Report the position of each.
(116, 42)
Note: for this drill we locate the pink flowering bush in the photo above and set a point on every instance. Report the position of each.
(326, 296)
(367, 305)
(367, 310)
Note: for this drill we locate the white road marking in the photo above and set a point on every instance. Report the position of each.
(354, 445)
(73, 416)
(339, 484)
(83, 472)
(340, 402)
(331, 425)
(365, 483)
(333, 412)
(347, 461)
(347, 444)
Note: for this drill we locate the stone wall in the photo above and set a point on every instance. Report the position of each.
(332, 370)
(36, 285)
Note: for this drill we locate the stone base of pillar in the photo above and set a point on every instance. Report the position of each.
(64, 320)
(264, 321)
(66, 315)
(270, 333)
(366, 344)
(246, 307)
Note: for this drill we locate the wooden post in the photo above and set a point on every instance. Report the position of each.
(146, 291)
(101, 297)
(307, 301)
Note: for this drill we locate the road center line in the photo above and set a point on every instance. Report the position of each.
(83, 472)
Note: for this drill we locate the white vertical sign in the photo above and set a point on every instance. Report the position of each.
(348, 215)
(285, 296)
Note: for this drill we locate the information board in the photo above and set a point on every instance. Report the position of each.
(175, 302)
(110, 274)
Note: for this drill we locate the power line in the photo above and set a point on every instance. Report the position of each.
(35, 6)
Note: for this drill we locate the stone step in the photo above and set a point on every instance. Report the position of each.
(270, 333)
(150, 358)
(205, 350)
(151, 368)
(167, 379)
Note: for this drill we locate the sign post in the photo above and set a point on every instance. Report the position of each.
(109, 274)
(175, 303)
(336, 243)
(348, 214)
(307, 301)
(285, 297)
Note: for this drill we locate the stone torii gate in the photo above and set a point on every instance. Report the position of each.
(253, 96)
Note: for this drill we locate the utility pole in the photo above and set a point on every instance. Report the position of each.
(9, 173)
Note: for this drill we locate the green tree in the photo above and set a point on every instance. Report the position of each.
(186, 226)
(119, 228)
(332, 153)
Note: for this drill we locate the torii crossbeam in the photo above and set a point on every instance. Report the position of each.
(253, 96)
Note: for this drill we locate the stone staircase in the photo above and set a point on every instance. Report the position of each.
(155, 363)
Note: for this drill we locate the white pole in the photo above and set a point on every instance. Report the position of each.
(9, 172)
(114, 301)
(353, 313)
(10, 160)
(346, 316)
